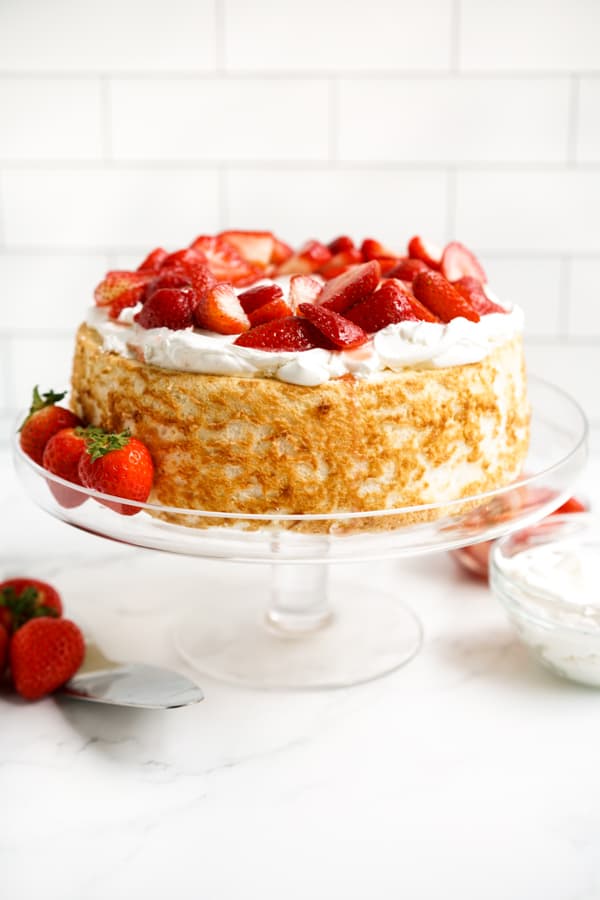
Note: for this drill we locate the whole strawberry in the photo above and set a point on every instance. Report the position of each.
(43, 421)
(44, 654)
(4, 642)
(117, 464)
(61, 457)
(22, 599)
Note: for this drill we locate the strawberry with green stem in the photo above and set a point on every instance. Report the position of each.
(44, 420)
(22, 599)
(119, 465)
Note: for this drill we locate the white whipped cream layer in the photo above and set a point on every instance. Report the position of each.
(405, 344)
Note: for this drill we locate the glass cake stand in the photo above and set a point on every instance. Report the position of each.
(312, 625)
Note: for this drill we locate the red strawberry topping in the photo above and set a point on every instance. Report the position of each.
(340, 262)
(344, 334)
(351, 287)
(220, 310)
(281, 252)
(303, 289)
(341, 244)
(391, 303)
(407, 269)
(168, 308)
(290, 334)
(429, 253)
(120, 289)
(153, 261)
(457, 261)
(255, 247)
(225, 262)
(438, 295)
(311, 257)
(276, 309)
(258, 296)
(472, 290)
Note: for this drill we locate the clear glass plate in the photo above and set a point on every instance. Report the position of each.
(322, 630)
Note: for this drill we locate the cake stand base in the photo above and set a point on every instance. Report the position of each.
(317, 632)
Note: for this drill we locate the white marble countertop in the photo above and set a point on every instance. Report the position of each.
(470, 774)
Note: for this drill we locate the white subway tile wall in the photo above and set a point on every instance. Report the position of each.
(128, 123)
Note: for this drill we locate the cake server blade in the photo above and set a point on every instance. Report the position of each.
(101, 680)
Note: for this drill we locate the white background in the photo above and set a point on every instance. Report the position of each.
(131, 123)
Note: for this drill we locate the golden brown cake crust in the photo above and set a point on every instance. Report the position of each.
(258, 445)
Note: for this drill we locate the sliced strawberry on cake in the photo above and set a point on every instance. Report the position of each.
(407, 269)
(168, 308)
(276, 309)
(310, 258)
(372, 249)
(225, 262)
(153, 261)
(120, 289)
(340, 262)
(472, 290)
(351, 287)
(458, 261)
(438, 295)
(220, 310)
(392, 303)
(290, 334)
(304, 289)
(341, 244)
(343, 334)
(429, 253)
(256, 247)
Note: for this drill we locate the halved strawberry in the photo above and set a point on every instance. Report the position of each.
(372, 249)
(407, 269)
(169, 278)
(458, 261)
(309, 258)
(122, 288)
(340, 262)
(255, 247)
(183, 258)
(351, 287)
(258, 296)
(224, 261)
(276, 309)
(426, 251)
(153, 261)
(472, 290)
(220, 310)
(184, 267)
(391, 303)
(303, 289)
(341, 244)
(281, 251)
(438, 295)
(344, 334)
(290, 334)
(168, 308)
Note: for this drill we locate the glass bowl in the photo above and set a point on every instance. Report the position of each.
(547, 577)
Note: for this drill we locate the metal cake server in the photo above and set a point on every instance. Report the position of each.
(101, 680)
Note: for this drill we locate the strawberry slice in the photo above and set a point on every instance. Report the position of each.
(472, 290)
(339, 263)
(181, 259)
(153, 261)
(372, 249)
(309, 258)
(391, 303)
(224, 261)
(122, 289)
(185, 267)
(457, 262)
(168, 308)
(281, 251)
(438, 295)
(256, 247)
(426, 251)
(407, 269)
(351, 287)
(276, 309)
(303, 289)
(290, 334)
(341, 244)
(220, 310)
(258, 296)
(343, 334)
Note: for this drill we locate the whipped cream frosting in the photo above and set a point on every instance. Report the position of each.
(410, 343)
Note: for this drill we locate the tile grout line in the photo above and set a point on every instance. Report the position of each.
(573, 120)
(169, 164)
(308, 74)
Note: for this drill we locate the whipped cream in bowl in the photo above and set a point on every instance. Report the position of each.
(548, 579)
(408, 343)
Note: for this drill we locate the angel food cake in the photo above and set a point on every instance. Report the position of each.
(338, 378)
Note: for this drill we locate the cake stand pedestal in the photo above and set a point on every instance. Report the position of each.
(311, 624)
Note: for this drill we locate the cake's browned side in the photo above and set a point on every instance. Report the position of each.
(258, 445)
